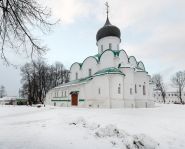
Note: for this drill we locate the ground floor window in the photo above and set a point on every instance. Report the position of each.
(119, 89)
(144, 90)
(130, 91)
(99, 91)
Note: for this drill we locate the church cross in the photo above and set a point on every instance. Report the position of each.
(107, 7)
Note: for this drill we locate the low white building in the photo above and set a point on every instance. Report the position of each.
(171, 97)
(8, 100)
(109, 79)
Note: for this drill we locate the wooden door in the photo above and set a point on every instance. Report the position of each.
(74, 99)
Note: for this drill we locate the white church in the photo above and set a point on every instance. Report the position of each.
(109, 79)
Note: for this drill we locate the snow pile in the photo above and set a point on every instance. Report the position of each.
(117, 136)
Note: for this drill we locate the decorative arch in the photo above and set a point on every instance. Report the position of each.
(113, 52)
(124, 59)
(97, 61)
(75, 71)
(107, 59)
(89, 66)
(132, 60)
(141, 65)
(74, 64)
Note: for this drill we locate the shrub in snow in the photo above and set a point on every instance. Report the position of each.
(119, 136)
(108, 131)
(128, 141)
(80, 121)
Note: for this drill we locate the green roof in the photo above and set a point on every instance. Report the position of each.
(76, 81)
(110, 70)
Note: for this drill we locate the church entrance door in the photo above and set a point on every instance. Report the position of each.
(74, 99)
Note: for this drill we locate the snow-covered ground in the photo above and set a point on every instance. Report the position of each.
(23, 127)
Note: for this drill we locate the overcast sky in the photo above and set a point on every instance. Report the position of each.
(152, 31)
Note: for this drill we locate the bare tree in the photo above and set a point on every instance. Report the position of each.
(38, 78)
(18, 19)
(2, 91)
(178, 81)
(159, 85)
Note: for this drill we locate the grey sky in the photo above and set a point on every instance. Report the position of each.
(152, 31)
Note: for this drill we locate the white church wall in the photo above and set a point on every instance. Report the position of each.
(117, 91)
(89, 63)
(128, 82)
(128, 87)
(97, 92)
(114, 41)
(141, 80)
(107, 59)
(142, 94)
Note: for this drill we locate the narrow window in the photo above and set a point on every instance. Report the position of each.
(130, 91)
(110, 45)
(119, 89)
(90, 72)
(76, 75)
(65, 93)
(62, 93)
(101, 48)
(99, 91)
(135, 88)
(144, 90)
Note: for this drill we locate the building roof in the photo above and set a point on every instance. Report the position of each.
(108, 30)
(73, 82)
(110, 70)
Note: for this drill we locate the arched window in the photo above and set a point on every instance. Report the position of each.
(144, 90)
(135, 88)
(101, 48)
(90, 72)
(99, 91)
(110, 45)
(76, 75)
(119, 89)
(130, 91)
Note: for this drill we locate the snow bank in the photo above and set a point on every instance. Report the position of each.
(117, 136)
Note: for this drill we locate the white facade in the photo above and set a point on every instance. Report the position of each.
(8, 100)
(171, 97)
(109, 79)
(110, 42)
